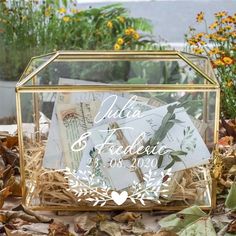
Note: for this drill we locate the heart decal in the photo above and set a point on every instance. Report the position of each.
(119, 199)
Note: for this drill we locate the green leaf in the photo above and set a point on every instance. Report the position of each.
(178, 153)
(137, 80)
(202, 227)
(169, 165)
(160, 160)
(231, 198)
(182, 219)
(176, 158)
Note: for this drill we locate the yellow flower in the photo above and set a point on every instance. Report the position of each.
(230, 83)
(222, 39)
(214, 51)
(121, 19)
(200, 35)
(136, 36)
(47, 11)
(62, 10)
(74, 11)
(117, 46)
(218, 62)
(221, 14)
(129, 31)
(109, 24)
(228, 60)
(66, 18)
(198, 50)
(120, 41)
(228, 20)
(200, 17)
(213, 25)
(233, 34)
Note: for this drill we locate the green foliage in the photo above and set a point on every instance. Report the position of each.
(28, 28)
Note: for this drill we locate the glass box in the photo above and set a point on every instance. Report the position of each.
(104, 130)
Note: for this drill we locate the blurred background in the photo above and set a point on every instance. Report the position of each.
(30, 28)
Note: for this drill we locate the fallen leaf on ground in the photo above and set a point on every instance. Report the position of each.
(17, 232)
(180, 220)
(127, 216)
(232, 227)
(58, 229)
(111, 228)
(100, 217)
(231, 198)
(4, 193)
(161, 233)
(83, 224)
(201, 227)
(38, 217)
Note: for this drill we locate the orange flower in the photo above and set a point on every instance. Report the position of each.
(221, 14)
(233, 34)
(228, 60)
(200, 17)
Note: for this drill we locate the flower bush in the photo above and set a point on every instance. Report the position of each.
(218, 42)
(28, 28)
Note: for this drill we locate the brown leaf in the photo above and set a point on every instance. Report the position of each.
(10, 232)
(15, 186)
(111, 228)
(232, 227)
(9, 157)
(58, 229)
(83, 224)
(11, 141)
(38, 217)
(161, 233)
(4, 193)
(17, 222)
(127, 216)
(100, 217)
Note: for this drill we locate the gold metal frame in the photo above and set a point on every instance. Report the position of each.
(210, 85)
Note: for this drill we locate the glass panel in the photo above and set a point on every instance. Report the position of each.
(80, 144)
(120, 72)
(201, 62)
(35, 63)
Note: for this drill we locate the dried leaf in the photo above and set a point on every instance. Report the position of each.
(4, 193)
(38, 217)
(203, 226)
(180, 220)
(17, 222)
(83, 224)
(111, 228)
(100, 217)
(161, 233)
(232, 227)
(127, 216)
(11, 141)
(58, 229)
(17, 232)
(231, 198)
